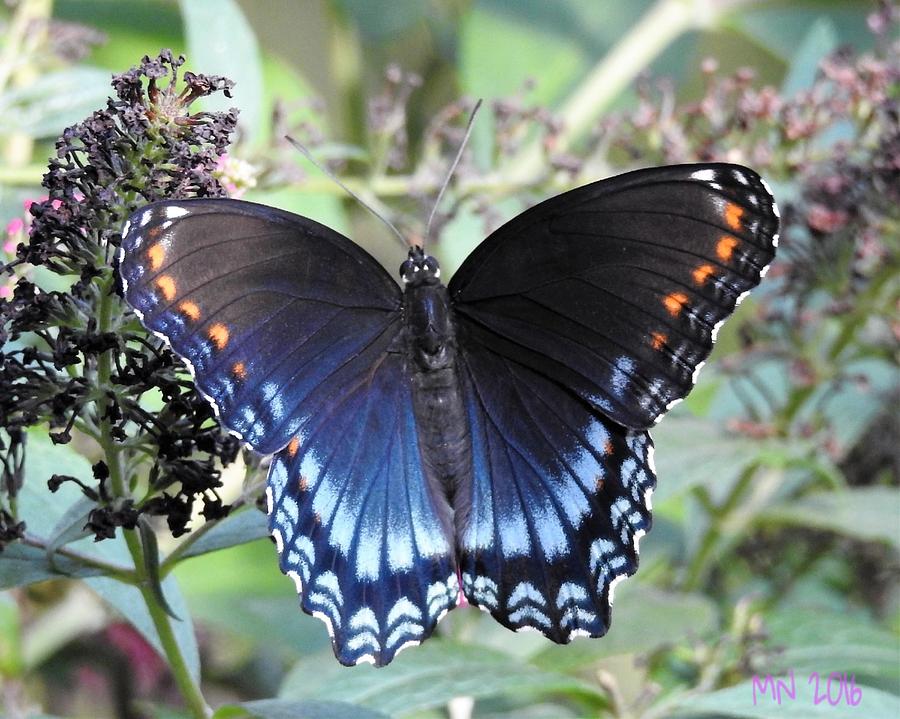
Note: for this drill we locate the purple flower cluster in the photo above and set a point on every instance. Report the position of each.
(74, 357)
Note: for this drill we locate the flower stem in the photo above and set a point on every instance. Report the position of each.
(123, 574)
(190, 689)
(718, 518)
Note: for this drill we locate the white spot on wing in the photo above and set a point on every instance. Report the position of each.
(279, 541)
(704, 175)
(298, 582)
(174, 211)
(612, 586)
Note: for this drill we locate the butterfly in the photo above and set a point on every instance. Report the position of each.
(487, 438)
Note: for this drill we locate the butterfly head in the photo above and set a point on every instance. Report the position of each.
(420, 269)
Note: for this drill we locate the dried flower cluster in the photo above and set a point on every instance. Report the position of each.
(73, 356)
(838, 142)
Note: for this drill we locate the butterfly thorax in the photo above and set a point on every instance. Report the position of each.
(432, 366)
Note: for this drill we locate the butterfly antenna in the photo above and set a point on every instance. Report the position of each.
(459, 152)
(308, 155)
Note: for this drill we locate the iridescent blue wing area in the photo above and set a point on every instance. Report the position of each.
(292, 331)
(616, 290)
(560, 496)
(264, 305)
(358, 526)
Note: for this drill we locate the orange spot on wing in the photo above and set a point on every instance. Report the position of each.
(218, 333)
(702, 273)
(725, 248)
(608, 447)
(733, 214)
(302, 484)
(190, 309)
(167, 286)
(154, 231)
(293, 447)
(658, 340)
(675, 302)
(239, 370)
(156, 253)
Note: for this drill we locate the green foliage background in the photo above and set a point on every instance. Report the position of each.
(765, 555)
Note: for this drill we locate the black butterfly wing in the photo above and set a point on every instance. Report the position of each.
(559, 497)
(616, 289)
(264, 304)
(292, 331)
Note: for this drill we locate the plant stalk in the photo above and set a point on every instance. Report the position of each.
(190, 690)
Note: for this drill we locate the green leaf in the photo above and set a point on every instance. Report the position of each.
(44, 513)
(644, 619)
(11, 663)
(38, 506)
(781, 26)
(740, 396)
(499, 52)
(812, 638)
(278, 709)
(70, 526)
(866, 513)
(54, 101)
(693, 452)
(147, 26)
(515, 50)
(245, 525)
(428, 676)
(21, 565)
(737, 701)
(850, 407)
(150, 555)
(819, 40)
(243, 603)
(221, 42)
(127, 600)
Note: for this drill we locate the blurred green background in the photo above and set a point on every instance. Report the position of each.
(777, 517)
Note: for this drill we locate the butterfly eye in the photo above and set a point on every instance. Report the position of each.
(431, 266)
(407, 269)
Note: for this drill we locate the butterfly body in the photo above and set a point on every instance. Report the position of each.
(444, 439)
(487, 438)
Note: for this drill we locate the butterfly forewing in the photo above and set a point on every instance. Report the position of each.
(265, 305)
(616, 289)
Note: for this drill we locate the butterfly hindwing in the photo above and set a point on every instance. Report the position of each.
(559, 497)
(265, 305)
(358, 526)
(616, 289)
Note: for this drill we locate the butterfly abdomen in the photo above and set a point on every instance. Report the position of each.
(444, 438)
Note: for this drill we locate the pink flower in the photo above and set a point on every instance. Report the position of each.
(824, 219)
(237, 176)
(15, 226)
